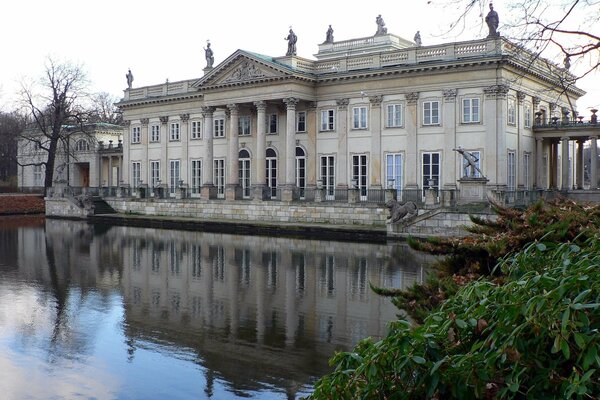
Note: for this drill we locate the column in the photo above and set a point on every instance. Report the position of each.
(290, 148)
(184, 169)
(539, 163)
(449, 163)
(552, 165)
(520, 120)
(126, 144)
(232, 162)
(207, 163)
(375, 164)
(110, 166)
(495, 126)
(311, 156)
(261, 148)
(342, 156)
(411, 169)
(594, 162)
(564, 184)
(164, 159)
(579, 165)
(144, 172)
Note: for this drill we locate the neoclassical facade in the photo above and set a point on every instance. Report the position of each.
(369, 113)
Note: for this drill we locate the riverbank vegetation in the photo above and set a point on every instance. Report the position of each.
(513, 313)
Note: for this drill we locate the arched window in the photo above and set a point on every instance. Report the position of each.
(301, 171)
(244, 172)
(271, 173)
(82, 145)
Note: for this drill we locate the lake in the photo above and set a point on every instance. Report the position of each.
(111, 312)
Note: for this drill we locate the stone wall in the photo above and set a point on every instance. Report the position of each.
(440, 223)
(270, 212)
(64, 207)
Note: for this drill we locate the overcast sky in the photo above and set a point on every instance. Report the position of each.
(162, 40)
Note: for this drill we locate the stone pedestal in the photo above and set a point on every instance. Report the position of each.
(258, 193)
(390, 194)
(353, 196)
(181, 192)
(230, 192)
(123, 191)
(319, 195)
(430, 197)
(208, 192)
(472, 190)
(160, 191)
(287, 193)
(142, 191)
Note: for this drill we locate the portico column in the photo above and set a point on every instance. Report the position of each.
(342, 131)
(110, 182)
(183, 171)
(411, 166)
(564, 184)
(164, 159)
(375, 167)
(539, 162)
(579, 165)
(261, 148)
(553, 167)
(594, 163)
(144, 173)
(233, 156)
(207, 165)
(126, 145)
(290, 148)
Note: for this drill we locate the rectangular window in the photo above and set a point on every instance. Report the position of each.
(393, 173)
(431, 113)
(155, 133)
(301, 121)
(196, 175)
(527, 116)
(219, 128)
(174, 131)
(327, 120)
(154, 173)
(359, 174)
(196, 130)
(136, 134)
(174, 174)
(38, 176)
(511, 177)
(512, 111)
(219, 177)
(431, 163)
(469, 172)
(328, 176)
(394, 115)
(359, 118)
(136, 173)
(272, 123)
(527, 170)
(470, 111)
(244, 126)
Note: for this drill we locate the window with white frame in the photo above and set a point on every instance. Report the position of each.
(301, 121)
(468, 171)
(174, 175)
(328, 176)
(272, 123)
(136, 134)
(393, 172)
(527, 170)
(511, 173)
(174, 136)
(394, 115)
(470, 111)
(527, 116)
(38, 175)
(82, 145)
(154, 173)
(359, 174)
(359, 117)
(512, 112)
(219, 176)
(196, 130)
(219, 127)
(196, 174)
(328, 120)
(431, 163)
(136, 173)
(244, 125)
(431, 113)
(155, 133)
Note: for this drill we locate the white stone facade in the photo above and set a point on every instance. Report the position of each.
(369, 113)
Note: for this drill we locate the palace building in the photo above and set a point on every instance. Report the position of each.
(371, 114)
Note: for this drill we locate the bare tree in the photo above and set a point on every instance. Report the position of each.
(103, 109)
(54, 108)
(10, 125)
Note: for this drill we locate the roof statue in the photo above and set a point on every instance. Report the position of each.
(292, 39)
(417, 39)
(492, 21)
(329, 35)
(129, 77)
(208, 53)
(381, 29)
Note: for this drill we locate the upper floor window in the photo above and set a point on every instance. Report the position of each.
(136, 134)
(327, 120)
(431, 113)
(394, 115)
(155, 133)
(219, 127)
(512, 112)
(272, 123)
(244, 126)
(527, 116)
(359, 118)
(470, 111)
(301, 121)
(82, 145)
(174, 131)
(196, 130)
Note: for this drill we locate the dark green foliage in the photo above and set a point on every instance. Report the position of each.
(534, 335)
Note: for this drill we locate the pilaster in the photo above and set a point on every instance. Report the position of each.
(164, 156)
(496, 111)
(312, 151)
(412, 120)
(375, 164)
(449, 164)
(126, 148)
(564, 184)
(207, 165)
(260, 175)
(184, 169)
(144, 173)
(342, 131)
(232, 162)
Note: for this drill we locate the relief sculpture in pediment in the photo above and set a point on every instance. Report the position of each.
(245, 71)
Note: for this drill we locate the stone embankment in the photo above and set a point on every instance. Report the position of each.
(13, 204)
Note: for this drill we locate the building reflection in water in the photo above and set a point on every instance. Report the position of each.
(256, 313)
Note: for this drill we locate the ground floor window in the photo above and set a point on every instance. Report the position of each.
(359, 174)
(219, 177)
(38, 175)
(393, 173)
(527, 170)
(196, 174)
(271, 172)
(511, 176)
(174, 175)
(136, 173)
(301, 171)
(327, 166)
(154, 173)
(244, 172)
(431, 162)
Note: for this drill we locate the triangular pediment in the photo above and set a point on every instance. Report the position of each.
(244, 68)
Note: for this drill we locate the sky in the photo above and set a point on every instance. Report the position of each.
(162, 40)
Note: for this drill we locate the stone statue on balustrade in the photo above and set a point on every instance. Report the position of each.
(417, 39)
(381, 29)
(208, 53)
(492, 22)
(292, 39)
(329, 35)
(129, 77)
